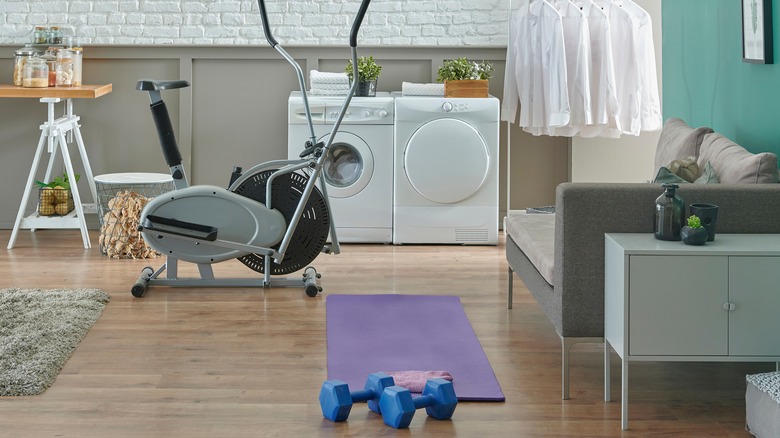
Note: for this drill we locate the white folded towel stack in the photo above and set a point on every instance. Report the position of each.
(325, 77)
(412, 89)
(328, 83)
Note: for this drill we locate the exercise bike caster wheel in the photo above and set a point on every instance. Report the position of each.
(312, 290)
(310, 277)
(139, 288)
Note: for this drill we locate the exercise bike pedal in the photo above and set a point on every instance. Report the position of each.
(311, 148)
(180, 228)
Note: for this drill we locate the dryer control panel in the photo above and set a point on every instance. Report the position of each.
(455, 106)
(325, 110)
(414, 108)
(359, 113)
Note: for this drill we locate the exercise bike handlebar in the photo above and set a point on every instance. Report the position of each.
(266, 28)
(352, 35)
(358, 21)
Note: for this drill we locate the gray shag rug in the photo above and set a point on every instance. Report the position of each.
(39, 330)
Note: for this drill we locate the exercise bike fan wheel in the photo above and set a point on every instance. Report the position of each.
(313, 226)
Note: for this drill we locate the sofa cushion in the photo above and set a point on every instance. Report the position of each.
(708, 176)
(736, 165)
(666, 176)
(686, 168)
(678, 140)
(534, 234)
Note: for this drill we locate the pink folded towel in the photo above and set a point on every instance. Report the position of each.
(414, 381)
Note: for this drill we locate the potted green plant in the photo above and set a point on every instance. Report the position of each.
(694, 233)
(55, 197)
(464, 78)
(368, 74)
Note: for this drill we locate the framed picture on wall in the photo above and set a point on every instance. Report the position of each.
(757, 31)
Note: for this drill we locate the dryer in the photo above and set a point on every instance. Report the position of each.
(446, 170)
(359, 170)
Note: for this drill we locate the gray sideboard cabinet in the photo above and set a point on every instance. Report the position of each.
(667, 301)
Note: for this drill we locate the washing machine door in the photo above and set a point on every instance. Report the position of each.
(446, 161)
(349, 166)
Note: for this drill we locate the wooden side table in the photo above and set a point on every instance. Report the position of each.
(53, 133)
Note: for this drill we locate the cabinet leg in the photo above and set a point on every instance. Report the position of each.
(624, 396)
(607, 396)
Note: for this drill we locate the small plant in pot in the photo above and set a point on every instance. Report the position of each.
(694, 233)
(368, 74)
(55, 197)
(464, 78)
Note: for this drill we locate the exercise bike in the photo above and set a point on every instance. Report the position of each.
(273, 218)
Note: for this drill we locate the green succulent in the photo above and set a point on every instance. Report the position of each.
(59, 181)
(368, 69)
(462, 69)
(694, 222)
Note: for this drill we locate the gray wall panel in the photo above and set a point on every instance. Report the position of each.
(130, 143)
(239, 115)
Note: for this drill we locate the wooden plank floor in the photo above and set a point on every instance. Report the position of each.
(249, 362)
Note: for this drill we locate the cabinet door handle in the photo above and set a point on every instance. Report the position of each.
(729, 306)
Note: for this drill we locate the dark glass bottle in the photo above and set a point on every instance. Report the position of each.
(669, 214)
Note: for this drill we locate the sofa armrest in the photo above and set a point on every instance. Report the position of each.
(586, 211)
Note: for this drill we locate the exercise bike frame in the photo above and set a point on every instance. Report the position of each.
(317, 154)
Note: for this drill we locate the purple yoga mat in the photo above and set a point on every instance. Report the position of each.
(370, 333)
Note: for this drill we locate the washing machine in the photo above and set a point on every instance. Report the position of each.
(359, 169)
(446, 170)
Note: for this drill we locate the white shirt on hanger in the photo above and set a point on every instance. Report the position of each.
(605, 110)
(576, 35)
(517, 53)
(650, 104)
(623, 28)
(549, 100)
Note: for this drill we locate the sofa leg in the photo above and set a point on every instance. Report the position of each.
(509, 291)
(566, 344)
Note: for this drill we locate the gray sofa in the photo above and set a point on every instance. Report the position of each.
(560, 257)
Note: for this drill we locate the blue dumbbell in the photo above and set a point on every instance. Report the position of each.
(336, 400)
(398, 406)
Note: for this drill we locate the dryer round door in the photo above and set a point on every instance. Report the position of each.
(349, 166)
(446, 161)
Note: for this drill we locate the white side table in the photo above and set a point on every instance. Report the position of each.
(53, 133)
(667, 301)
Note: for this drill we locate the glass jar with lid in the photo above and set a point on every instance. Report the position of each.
(40, 35)
(21, 56)
(64, 68)
(50, 56)
(55, 35)
(77, 53)
(36, 73)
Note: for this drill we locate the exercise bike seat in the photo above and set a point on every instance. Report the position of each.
(155, 85)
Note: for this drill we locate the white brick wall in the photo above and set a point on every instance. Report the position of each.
(294, 22)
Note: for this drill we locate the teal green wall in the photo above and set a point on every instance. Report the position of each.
(705, 81)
